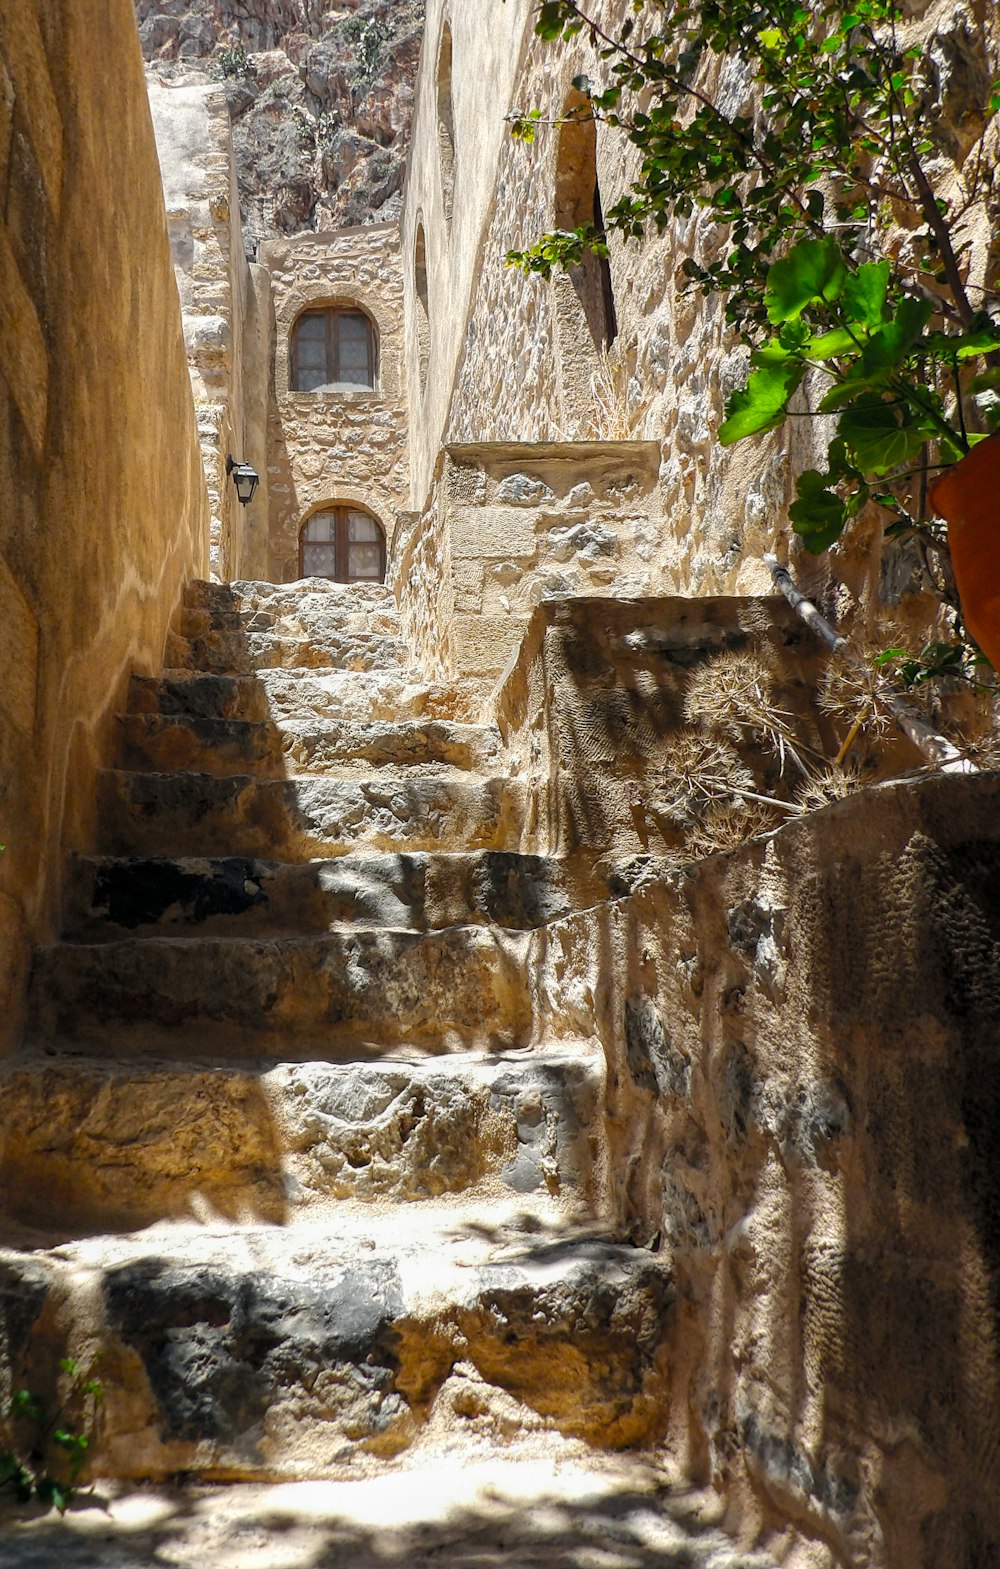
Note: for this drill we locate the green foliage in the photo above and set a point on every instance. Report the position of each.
(939, 661)
(234, 62)
(44, 1452)
(833, 127)
(369, 34)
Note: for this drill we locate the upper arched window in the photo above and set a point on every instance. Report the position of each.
(343, 543)
(423, 305)
(333, 350)
(446, 122)
(578, 202)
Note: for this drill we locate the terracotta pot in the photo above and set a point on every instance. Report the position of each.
(967, 496)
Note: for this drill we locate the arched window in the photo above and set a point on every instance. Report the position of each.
(578, 201)
(423, 305)
(333, 350)
(446, 122)
(343, 543)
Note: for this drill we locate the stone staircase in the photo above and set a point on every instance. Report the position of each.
(288, 1159)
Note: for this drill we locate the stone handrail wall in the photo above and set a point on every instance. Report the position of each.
(803, 1087)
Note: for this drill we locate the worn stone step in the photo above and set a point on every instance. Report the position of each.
(89, 1144)
(475, 1495)
(309, 621)
(165, 743)
(110, 897)
(344, 996)
(297, 819)
(246, 596)
(263, 1352)
(287, 694)
(239, 653)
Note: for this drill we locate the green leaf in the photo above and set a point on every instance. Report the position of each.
(819, 514)
(888, 348)
(24, 1404)
(831, 345)
(865, 292)
(878, 435)
(964, 345)
(762, 403)
(812, 270)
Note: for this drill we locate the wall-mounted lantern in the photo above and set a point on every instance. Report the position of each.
(245, 478)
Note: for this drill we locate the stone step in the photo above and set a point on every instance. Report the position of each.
(239, 653)
(297, 819)
(312, 621)
(288, 694)
(110, 897)
(166, 743)
(341, 997)
(267, 1352)
(473, 1494)
(89, 1145)
(247, 596)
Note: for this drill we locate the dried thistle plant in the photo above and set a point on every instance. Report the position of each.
(727, 826)
(830, 784)
(983, 750)
(733, 695)
(702, 774)
(847, 693)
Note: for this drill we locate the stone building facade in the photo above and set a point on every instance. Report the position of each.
(335, 448)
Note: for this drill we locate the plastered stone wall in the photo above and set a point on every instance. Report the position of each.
(225, 311)
(104, 514)
(326, 447)
(804, 1085)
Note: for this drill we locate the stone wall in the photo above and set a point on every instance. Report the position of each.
(104, 515)
(803, 1063)
(488, 43)
(539, 521)
(804, 1087)
(326, 447)
(226, 313)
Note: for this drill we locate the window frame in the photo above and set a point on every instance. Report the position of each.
(331, 314)
(341, 542)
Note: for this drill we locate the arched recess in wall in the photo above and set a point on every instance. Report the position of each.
(333, 348)
(585, 301)
(422, 297)
(446, 122)
(342, 542)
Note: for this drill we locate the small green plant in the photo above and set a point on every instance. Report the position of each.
(234, 62)
(369, 33)
(47, 1450)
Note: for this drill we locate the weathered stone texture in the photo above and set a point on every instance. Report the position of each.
(105, 514)
(803, 1076)
(327, 447)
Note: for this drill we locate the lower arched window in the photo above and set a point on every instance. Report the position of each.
(343, 543)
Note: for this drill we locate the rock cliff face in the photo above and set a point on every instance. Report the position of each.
(320, 95)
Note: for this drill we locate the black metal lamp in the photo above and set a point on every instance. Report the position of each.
(245, 478)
